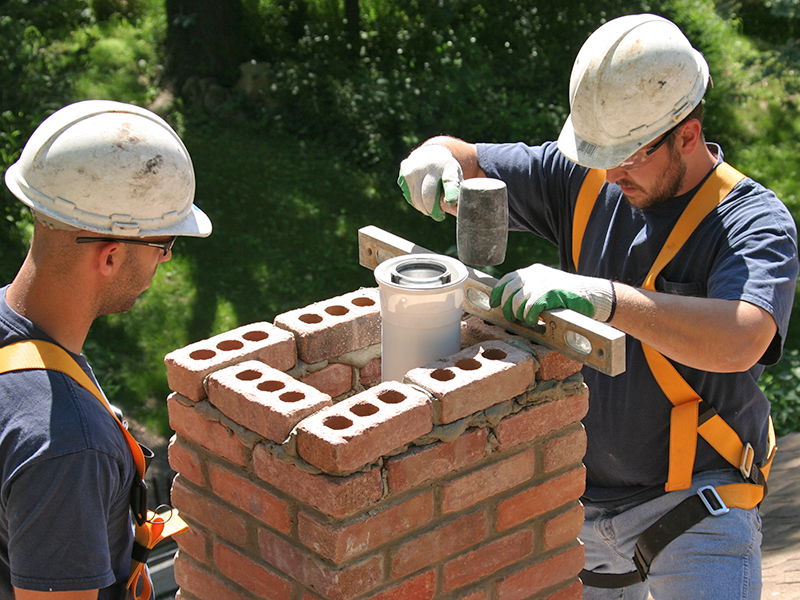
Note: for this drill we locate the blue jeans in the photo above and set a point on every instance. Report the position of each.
(717, 559)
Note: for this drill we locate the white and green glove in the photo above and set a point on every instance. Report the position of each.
(525, 293)
(427, 174)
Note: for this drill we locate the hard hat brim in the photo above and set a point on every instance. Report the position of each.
(195, 224)
(590, 155)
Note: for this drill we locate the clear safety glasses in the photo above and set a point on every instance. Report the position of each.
(643, 156)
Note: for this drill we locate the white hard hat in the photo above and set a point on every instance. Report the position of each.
(110, 168)
(635, 78)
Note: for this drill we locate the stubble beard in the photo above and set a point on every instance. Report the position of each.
(668, 184)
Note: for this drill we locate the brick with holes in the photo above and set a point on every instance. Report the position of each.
(187, 367)
(333, 327)
(263, 399)
(357, 431)
(475, 379)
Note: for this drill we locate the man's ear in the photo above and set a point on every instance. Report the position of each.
(108, 258)
(690, 135)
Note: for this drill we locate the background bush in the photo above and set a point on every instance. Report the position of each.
(290, 171)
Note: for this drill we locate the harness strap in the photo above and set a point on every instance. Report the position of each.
(690, 415)
(685, 401)
(587, 196)
(150, 528)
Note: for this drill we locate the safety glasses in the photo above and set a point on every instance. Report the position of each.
(164, 246)
(641, 157)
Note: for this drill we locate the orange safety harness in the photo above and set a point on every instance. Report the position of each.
(150, 528)
(690, 415)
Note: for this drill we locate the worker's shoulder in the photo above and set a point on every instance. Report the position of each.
(750, 201)
(46, 414)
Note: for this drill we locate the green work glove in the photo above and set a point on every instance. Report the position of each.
(429, 173)
(525, 293)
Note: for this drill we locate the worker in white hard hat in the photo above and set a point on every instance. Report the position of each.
(661, 238)
(110, 186)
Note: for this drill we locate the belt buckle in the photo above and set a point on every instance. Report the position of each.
(746, 460)
(716, 507)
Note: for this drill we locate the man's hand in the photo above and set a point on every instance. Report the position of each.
(525, 293)
(429, 173)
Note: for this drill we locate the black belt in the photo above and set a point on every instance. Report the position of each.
(706, 502)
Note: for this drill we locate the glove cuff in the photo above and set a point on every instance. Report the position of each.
(604, 300)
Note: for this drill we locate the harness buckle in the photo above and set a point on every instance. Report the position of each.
(746, 460)
(710, 497)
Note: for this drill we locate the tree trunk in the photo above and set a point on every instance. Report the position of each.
(205, 38)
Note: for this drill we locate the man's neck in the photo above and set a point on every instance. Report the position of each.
(50, 306)
(698, 166)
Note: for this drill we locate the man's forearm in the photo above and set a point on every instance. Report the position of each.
(715, 335)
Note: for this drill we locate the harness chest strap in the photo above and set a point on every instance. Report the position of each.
(686, 422)
(151, 528)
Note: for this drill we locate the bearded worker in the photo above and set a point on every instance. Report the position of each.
(697, 263)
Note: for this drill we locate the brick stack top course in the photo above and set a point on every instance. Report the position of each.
(303, 476)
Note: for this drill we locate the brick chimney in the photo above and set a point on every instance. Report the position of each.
(303, 477)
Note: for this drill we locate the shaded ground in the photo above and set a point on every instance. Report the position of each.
(781, 524)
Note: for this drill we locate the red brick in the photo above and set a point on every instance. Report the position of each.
(565, 450)
(335, 379)
(563, 528)
(444, 541)
(475, 330)
(342, 542)
(475, 379)
(187, 367)
(252, 576)
(263, 399)
(422, 587)
(487, 559)
(188, 422)
(211, 514)
(542, 575)
(541, 498)
(193, 543)
(185, 461)
(330, 583)
(333, 327)
(476, 595)
(487, 481)
(203, 583)
(574, 591)
(555, 366)
(541, 419)
(370, 373)
(251, 498)
(337, 497)
(425, 463)
(356, 431)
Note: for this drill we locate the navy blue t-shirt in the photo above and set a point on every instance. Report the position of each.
(65, 480)
(746, 249)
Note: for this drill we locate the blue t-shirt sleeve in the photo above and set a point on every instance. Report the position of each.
(758, 261)
(542, 186)
(59, 541)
